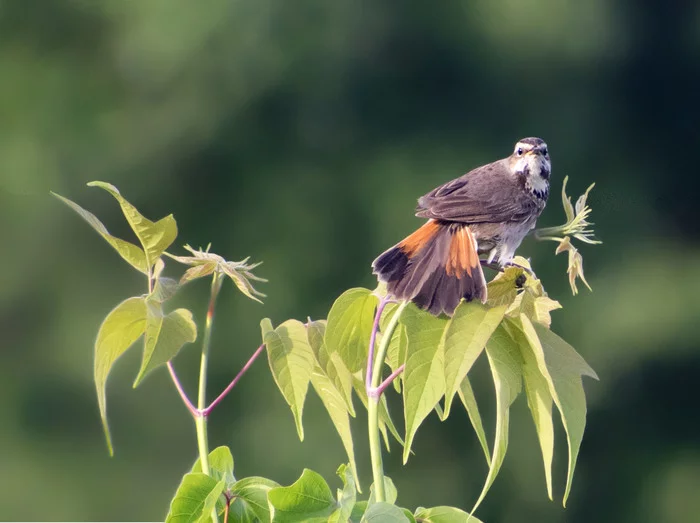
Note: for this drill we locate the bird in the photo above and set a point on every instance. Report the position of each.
(487, 211)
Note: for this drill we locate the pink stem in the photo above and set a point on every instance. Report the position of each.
(373, 340)
(190, 406)
(387, 382)
(221, 396)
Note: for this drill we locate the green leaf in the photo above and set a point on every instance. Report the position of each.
(466, 335)
(308, 499)
(195, 499)
(154, 237)
(165, 336)
(383, 512)
(350, 325)
(346, 496)
(120, 329)
(504, 359)
(466, 394)
(444, 515)
(332, 364)
(220, 465)
(539, 398)
(130, 252)
(562, 367)
(251, 494)
(424, 375)
(390, 492)
(337, 410)
(292, 363)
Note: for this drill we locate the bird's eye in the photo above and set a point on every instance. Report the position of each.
(544, 151)
(520, 151)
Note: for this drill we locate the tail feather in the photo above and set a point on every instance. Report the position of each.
(435, 267)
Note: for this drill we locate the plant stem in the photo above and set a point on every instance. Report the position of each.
(374, 394)
(200, 421)
(221, 396)
(373, 340)
(180, 389)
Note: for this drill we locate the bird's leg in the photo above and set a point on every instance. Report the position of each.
(493, 266)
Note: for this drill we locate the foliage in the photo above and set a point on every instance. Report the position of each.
(345, 356)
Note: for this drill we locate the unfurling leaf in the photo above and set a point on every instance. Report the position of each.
(575, 269)
(195, 499)
(120, 329)
(203, 263)
(154, 237)
(292, 363)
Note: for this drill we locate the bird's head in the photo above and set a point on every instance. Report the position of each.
(530, 158)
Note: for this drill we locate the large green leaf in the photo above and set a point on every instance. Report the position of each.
(424, 375)
(465, 337)
(346, 497)
(383, 512)
(251, 495)
(292, 363)
(562, 367)
(195, 499)
(120, 329)
(332, 364)
(539, 398)
(165, 336)
(154, 237)
(466, 394)
(350, 325)
(444, 515)
(308, 499)
(133, 254)
(337, 410)
(504, 359)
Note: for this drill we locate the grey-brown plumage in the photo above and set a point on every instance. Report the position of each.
(488, 211)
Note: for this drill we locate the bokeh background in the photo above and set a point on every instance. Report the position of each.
(301, 133)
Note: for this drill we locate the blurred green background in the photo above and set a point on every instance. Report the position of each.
(301, 133)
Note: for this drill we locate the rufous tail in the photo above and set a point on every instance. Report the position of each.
(435, 267)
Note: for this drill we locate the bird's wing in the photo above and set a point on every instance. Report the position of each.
(488, 194)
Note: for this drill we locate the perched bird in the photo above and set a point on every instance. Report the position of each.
(487, 211)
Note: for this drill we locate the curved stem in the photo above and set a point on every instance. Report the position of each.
(374, 393)
(373, 340)
(181, 390)
(221, 396)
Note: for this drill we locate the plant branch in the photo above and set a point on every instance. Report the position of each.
(374, 392)
(180, 389)
(240, 374)
(384, 384)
